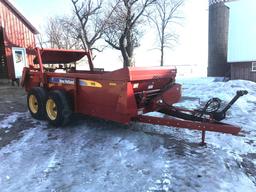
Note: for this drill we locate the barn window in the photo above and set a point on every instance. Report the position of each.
(254, 66)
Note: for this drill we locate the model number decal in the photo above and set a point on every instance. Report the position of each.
(89, 83)
(150, 86)
(61, 80)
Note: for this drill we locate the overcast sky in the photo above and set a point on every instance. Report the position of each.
(191, 49)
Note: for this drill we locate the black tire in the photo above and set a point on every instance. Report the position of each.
(36, 99)
(59, 114)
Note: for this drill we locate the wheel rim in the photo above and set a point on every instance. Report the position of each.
(51, 109)
(33, 104)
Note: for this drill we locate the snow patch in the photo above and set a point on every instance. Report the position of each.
(10, 120)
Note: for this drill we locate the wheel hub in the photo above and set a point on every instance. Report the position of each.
(33, 104)
(51, 109)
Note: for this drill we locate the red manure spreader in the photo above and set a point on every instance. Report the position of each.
(122, 95)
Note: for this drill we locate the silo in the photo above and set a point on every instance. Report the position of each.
(218, 39)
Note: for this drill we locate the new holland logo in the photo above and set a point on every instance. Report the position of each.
(61, 80)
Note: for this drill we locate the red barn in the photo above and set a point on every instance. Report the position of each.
(17, 38)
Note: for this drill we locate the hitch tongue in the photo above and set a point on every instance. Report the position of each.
(222, 114)
(237, 96)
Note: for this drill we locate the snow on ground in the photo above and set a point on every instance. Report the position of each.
(9, 120)
(95, 155)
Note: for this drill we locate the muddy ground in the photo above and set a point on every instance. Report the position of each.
(12, 99)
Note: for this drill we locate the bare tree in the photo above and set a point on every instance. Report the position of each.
(54, 33)
(90, 24)
(81, 30)
(122, 32)
(165, 12)
(40, 41)
(60, 34)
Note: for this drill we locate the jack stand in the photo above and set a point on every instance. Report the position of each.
(203, 139)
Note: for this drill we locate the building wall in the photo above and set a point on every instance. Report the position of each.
(16, 34)
(242, 30)
(242, 70)
(218, 40)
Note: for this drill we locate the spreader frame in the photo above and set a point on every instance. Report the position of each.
(123, 95)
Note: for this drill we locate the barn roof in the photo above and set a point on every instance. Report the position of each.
(20, 16)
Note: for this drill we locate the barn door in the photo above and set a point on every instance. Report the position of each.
(3, 64)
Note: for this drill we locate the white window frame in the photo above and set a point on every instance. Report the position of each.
(253, 66)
